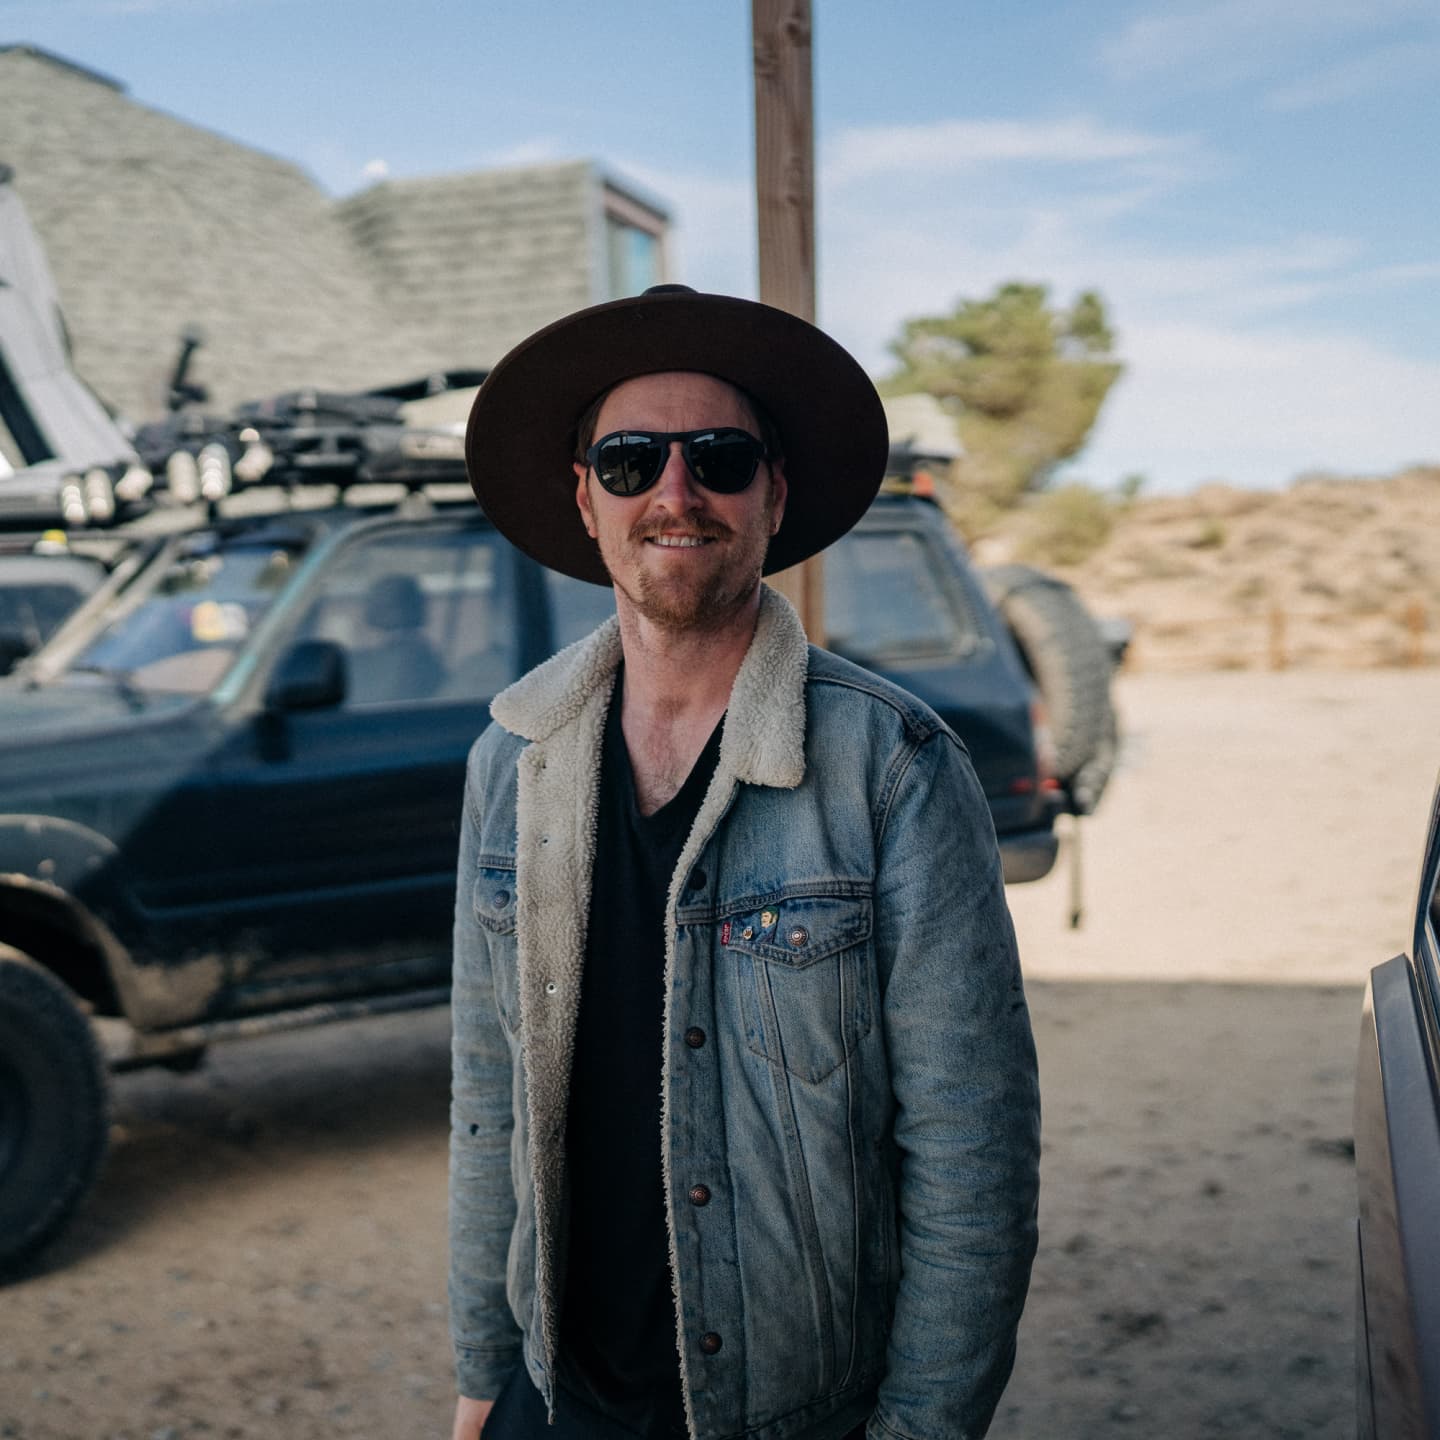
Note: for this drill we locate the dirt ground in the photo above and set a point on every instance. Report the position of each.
(264, 1255)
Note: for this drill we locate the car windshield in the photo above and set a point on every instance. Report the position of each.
(179, 627)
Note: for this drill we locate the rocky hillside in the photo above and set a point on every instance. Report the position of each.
(1330, 572)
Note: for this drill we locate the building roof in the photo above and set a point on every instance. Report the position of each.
(484, 258)
(151, 225)
(154, 226)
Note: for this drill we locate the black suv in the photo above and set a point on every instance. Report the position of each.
(231, 782)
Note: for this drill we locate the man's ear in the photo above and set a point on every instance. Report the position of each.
(582, 497)
(779, 489)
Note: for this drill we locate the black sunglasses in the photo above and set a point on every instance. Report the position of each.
(627, 462)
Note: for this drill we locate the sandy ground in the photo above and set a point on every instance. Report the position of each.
(264, 1255)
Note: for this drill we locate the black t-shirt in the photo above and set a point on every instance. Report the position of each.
(617, 1333)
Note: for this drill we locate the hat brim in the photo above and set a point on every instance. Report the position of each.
(520, 441)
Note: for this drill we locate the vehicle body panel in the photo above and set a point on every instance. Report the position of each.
(967, 670)
(1397, 1157)
(243, 860)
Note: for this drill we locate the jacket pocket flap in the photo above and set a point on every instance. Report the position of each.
(494, 899)
(800, 929)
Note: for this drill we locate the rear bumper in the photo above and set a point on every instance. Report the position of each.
(1028, 855)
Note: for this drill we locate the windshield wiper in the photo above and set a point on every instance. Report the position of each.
(123, 681)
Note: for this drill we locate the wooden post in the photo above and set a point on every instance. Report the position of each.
(1415, 624)
(1278, 657)
(785, 211)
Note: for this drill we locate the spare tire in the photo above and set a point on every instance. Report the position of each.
(1067, 657)
(53, 1107)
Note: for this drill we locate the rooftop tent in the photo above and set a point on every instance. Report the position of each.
(46, 411)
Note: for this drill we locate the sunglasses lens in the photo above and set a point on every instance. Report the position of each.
(726, 460)
(628, 464)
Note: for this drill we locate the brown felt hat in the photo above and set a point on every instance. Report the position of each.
(521, 438)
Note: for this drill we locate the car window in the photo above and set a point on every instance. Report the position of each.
(423, 613)
(36, 610)
(886, 600)
(577, 607)
(180, 626)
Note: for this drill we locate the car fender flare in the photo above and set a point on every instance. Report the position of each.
(61, 875)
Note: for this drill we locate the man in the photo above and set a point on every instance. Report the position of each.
(745, 1123)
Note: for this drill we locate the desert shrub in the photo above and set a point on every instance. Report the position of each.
(1066, 526)
(1208, 535)
(1130, 486)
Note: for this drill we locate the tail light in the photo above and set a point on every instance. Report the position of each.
(1045, 757)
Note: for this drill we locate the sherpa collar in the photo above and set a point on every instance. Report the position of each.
(764, 737)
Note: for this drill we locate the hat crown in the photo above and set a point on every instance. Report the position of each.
(520, 442)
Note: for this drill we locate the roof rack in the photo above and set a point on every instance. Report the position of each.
(288, 442)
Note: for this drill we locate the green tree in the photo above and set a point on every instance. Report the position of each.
(1025, 380)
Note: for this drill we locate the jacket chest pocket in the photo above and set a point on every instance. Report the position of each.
(802, 966)
(493, 900)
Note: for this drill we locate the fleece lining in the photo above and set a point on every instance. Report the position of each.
(560, 708)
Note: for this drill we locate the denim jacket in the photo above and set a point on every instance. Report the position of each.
(847, 1066)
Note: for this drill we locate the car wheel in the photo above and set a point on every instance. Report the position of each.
(1067, 657)
(53, 1107)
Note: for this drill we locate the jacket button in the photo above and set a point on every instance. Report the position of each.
(502, 899)
(697, 880)
(699, 1194)
(799, 936)
(710, 1343)
(694, 1037)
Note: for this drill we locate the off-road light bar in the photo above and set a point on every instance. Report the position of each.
(214, 468)
(134, 484)
(182, 477)
(99, 496)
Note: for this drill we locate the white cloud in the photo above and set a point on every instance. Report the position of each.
(539, 151)
(1225, 39)
(1224, 375)
(1221, 377)
(1256, 408)
(1415, 273)
(376, 169)
(1385, 68)
(950, 146)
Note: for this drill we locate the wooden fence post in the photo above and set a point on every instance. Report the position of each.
(1277, 637)
(1415, 624)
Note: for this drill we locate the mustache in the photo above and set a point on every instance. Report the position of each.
(700, 526)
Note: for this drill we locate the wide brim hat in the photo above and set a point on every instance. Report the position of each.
(520, 442)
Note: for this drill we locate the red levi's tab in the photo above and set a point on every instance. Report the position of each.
(725, 933)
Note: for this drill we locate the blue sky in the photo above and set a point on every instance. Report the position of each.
(1252, 185)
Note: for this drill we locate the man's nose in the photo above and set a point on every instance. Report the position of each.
(676, 486)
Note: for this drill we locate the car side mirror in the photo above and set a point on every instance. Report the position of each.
(310, 676)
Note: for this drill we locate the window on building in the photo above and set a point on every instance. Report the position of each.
(634, 257)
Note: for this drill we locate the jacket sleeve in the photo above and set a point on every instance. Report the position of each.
(967, 1108)
(482, 1198)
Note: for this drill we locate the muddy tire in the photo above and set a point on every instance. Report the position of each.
(1068, 659)
(53, 1107)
